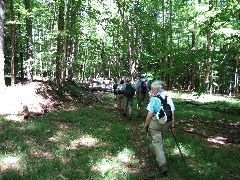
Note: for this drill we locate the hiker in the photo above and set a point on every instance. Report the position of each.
(129, 91)
(143, 87)
(115, 85)
(120, 96)
(158, 130)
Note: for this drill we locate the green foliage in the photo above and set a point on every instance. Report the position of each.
(111, 39)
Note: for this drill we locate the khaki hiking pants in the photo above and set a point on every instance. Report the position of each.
(120, 102)
(158, 131)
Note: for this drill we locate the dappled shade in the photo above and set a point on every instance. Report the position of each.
(220, 132)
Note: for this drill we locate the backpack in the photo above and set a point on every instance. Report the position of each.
(120, 89)
(143, 87)
(129, 91)
(166, 108)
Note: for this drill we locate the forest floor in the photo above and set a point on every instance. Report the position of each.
(210, 119)
(41, 98)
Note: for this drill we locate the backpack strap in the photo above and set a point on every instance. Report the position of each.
(166, 99)
(163, 101)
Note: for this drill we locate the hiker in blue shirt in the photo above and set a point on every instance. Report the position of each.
(158, 129)
(143, 87)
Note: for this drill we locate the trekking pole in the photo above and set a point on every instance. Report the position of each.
(149, 157)
(178, 146)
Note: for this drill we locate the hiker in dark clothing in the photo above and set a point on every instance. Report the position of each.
(115, 85)
(143, 87)
(120, 96)
(129, 92)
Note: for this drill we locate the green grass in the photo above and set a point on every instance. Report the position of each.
(96, 143)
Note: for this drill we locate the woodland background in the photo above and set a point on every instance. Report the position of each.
(190, 44)
(59, 129)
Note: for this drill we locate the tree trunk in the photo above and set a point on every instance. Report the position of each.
(12, 44)
(59, 56)
(40, 33)
(134, 44)
(169, 82)
(236, 78)
(71, 39)
(164, 58)
(27, 4)
(2, 79)
(65, 44)
(191, 73)
(208, 60)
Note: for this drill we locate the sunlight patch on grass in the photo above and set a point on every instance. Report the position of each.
(104, 165)
(202, 98)
(117, 166)
(86, 140)
(185, 151)
(12, 162)
(126, 156)
(14, 117)
(218, 140)
(110, 168)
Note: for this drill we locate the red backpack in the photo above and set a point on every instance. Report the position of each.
(143, 87)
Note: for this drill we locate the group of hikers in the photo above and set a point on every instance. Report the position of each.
(153, 105)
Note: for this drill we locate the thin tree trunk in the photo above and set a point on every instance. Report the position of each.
(169, 83)
(52, 72)
(21, 55)
(2, 79)
(236, 78)
(12, 44)
(66, 43)
(29, 41)
(164, 58)
(59, 57)
(134, 44)
(208, 60)
(40, 50)
(191, 73)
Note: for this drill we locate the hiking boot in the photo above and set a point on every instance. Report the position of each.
(164, 170)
